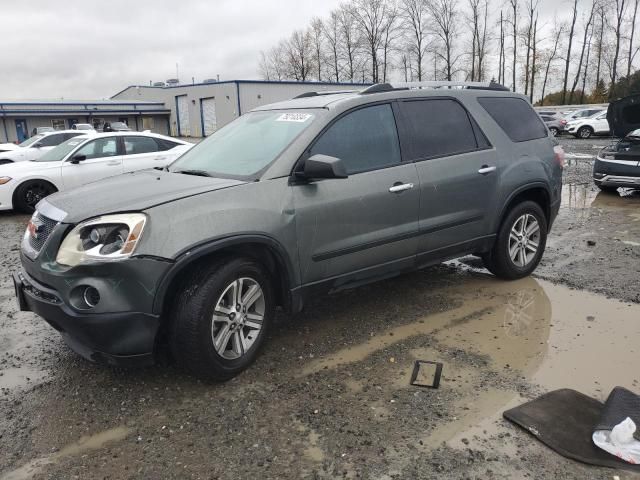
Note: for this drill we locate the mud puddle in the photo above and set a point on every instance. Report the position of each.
(84, 445)
(520, 338)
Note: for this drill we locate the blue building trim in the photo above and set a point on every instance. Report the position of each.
(4, 126)
(84, 104)
(238, 97)
(5, 113)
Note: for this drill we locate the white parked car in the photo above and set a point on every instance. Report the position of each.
(36, 146)
(587, 127)
(81, 160)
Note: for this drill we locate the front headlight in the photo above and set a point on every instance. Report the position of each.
(4, 180)
(110, 237)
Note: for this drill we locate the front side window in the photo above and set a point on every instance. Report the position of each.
(247, 145)
(137, 145)
(101, 147)
(30, 141)
(439, 127)
(365, 139)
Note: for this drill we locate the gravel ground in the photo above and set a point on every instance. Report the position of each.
(330, 397)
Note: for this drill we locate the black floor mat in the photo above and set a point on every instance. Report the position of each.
(564, 420)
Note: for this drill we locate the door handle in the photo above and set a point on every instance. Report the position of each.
(160, 158)
(113, 163)
(400, 187)
(486, 169)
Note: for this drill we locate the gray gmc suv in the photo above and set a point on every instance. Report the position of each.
(316, 194)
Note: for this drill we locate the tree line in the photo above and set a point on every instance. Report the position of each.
(582, 55)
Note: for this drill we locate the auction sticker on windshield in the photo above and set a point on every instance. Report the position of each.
(294, 117)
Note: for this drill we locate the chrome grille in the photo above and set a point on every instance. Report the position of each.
(42, 228)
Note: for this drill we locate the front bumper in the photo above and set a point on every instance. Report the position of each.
(123, 339)
(6, 195)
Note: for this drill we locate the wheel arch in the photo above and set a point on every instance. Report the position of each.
(537, 192)
(262, 248)
(23, 181)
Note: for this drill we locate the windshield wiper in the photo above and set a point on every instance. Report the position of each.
(197, 173)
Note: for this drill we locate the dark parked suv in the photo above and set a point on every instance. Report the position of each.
(320, 193)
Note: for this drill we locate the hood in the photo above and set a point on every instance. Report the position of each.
(20, 168)
(7, 147)
(132, 192)
(623, 115)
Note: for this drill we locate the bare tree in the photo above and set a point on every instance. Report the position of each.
(567, 59)
(534, 58)
(370, 15)
(600, 44)
(273, 64)
(331, 28)
(552, 55)
(414, 13)
(444, 16)
(514, 24)
(586, 38)
(631, 35)
(349, 40)
(617, 30)
(501, 57)
(481, 49)
(586, 62)
(532, 7)
(316, 36)
(299, 54)
(390, 34)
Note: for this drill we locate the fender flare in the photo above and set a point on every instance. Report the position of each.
(187, 257)
(518, 191)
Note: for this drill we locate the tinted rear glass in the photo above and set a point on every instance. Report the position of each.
(516, 117)
(438, 128)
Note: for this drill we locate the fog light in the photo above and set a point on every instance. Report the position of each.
(91, 297)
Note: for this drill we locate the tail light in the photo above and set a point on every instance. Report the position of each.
(559, 155)
(563, 122)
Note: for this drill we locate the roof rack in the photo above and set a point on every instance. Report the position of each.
(324, 92)
(389, 87)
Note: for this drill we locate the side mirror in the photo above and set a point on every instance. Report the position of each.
(37, 145)
(78, 158)
(323, 166)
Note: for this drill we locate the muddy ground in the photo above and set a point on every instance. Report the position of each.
(330, 395)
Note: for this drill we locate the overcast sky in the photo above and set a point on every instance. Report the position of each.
(92, 49)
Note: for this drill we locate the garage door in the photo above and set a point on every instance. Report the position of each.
(209, 116)
(184, 126)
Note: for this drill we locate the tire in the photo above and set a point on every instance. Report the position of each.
(28, 194)
(4, 161)
(607, 189)
(499, 261)
(554, 131)
(195, 325)
(585, 132)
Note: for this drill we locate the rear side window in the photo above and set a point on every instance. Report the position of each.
(440, 127)
(365, 139)
(516, 117)
(164, 144)
(137, 145)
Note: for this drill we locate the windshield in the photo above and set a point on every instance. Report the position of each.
(61, 151)
(245, 146)
(32, 140)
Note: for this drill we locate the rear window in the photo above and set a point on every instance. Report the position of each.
(515, 116)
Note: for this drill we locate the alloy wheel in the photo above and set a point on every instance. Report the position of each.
(35, 193)
(524, 240)
(237, 318)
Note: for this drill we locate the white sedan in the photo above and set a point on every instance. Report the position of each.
(35, 146)
(81, 160)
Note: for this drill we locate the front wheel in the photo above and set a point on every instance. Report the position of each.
(554, 131)
(27, 195)
(520, 243)
(585, 132)
(220, 318)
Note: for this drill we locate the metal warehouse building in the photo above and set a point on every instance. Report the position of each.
(19, 118)
(200, 109)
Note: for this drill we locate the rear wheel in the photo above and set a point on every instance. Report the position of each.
(220, 318)
(554, 131)
(585, 132)
(520, 243)
(27, 195)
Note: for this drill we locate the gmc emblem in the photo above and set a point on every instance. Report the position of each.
(34, 228)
